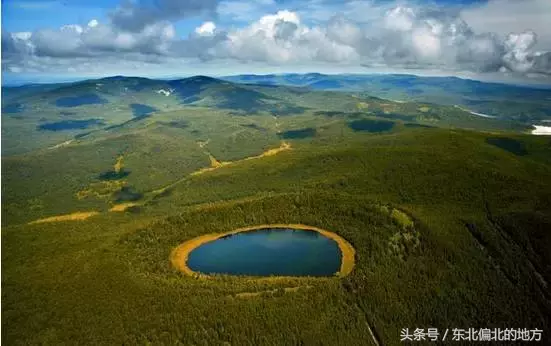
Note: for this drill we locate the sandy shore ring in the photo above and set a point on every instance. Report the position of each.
(179, 255)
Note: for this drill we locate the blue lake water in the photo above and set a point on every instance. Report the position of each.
(299, 134)
(371, 125)
(265, 252)
(509, 144)
(80, 100)
(12, 108)
(141, 111)
(70, 125)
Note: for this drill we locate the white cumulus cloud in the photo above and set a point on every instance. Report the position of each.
(93, 23)
(206, 29)
(402, 36)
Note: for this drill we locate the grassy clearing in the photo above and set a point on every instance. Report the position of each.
(215, 164)
(102, 189)
(124, 206)
(78, 216)
(63, 144)
(402, 218)
(284, 146)
(362, 105)
(119, 165)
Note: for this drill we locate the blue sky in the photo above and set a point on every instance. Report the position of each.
(492, 39)
(29, 15)
(23, 15)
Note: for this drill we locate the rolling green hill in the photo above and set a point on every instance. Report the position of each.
(449, 214)
(43, 117)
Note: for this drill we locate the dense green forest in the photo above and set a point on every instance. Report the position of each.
(475, 256)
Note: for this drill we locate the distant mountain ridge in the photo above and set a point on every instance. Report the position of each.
(301, 78)
(524, 103)
(276, 94)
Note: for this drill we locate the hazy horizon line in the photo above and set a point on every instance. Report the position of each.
(68, 80)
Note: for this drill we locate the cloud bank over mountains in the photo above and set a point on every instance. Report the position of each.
(358, 33)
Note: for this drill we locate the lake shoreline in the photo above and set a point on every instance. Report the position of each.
(179, 255)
